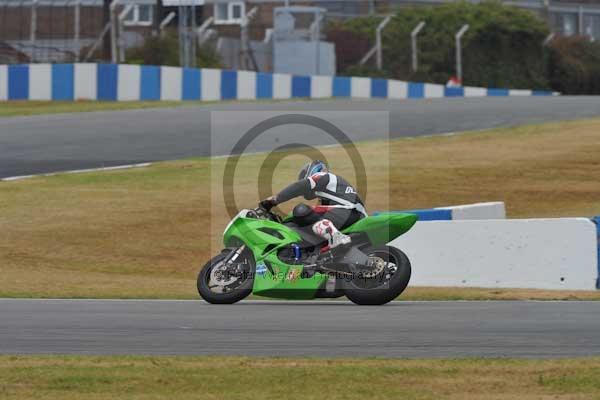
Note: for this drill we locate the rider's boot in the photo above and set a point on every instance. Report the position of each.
(327, 230)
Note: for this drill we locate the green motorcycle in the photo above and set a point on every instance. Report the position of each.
(271, 256)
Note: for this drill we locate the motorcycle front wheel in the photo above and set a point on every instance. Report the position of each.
(219, 284)
(386, 284)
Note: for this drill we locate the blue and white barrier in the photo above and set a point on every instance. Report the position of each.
(596, 220)
(559, 253)
(123, 82)
(489, 210)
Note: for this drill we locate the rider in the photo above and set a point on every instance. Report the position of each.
(340, 206)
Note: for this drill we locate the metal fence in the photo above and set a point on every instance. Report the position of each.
(48, 30)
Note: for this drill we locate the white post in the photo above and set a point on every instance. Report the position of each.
(378, 44)
(413, 43)
(167, 21)
(201, 31)
(76, 28)
(580, 13)
(33, 27)
(120, 43)
(459, 35)
(113, 31)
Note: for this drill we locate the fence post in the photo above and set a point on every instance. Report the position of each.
(458, 36)
(120, 44)
(76, 28)
(413, 43)
(33, 28)
(379, 53)
(113, 31)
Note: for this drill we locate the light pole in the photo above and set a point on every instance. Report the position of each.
(413, 43)
(457, 37)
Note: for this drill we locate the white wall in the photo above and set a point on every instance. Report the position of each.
(433, 91)
(211, 84)
(360, 88)
(321, 87)
(85, 81)
(129, 81)
(490, 210)
(40, 82)
(246, 85)
(556, 253)
(282, 86)
(397, 89)
(170, 83)
(3, 82)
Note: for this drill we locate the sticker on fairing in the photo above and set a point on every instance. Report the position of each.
(261, 268)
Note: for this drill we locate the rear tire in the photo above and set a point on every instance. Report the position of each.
(237, 294)
(394, 287)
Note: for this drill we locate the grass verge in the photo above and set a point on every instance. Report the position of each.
(146, 232)
(64, 378)
(22, 108)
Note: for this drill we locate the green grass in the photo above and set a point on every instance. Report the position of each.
(20, 108)
(112, 377)
(34, 107)
(145, 233)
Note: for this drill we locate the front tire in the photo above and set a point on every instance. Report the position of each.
(364, 291)
(237, 293)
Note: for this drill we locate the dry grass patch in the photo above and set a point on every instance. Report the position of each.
(146, 232)
(64, 378)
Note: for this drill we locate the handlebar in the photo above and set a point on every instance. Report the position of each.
(263, 212)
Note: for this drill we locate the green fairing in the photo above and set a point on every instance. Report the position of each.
(281, 279)
(383, 228)
(284, 280)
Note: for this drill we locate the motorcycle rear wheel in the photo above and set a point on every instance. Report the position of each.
(358, 294)
(236, 294)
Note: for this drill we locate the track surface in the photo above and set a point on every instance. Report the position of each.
(399, 329)
(49, 143)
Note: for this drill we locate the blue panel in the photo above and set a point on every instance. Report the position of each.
(341, 87)
(106, 81)
(301, 86)
(379, 88)
(18, 82)
(427, 214)
(497, 92)
(416, 90)
(541, 93)
(454, 92)
(264, 86)
(597, 222)
(190, 84)
(228, 85)
(63, 81)
(149, 82)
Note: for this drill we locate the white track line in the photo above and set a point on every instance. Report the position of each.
(77, 171)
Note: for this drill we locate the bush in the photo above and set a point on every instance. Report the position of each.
(574, 65)
(164, 50)
(503, 47)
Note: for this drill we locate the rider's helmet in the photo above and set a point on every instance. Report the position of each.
(312, 168)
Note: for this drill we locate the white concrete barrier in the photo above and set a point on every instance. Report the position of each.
(489, 210)
(3, 82)
(556, 253)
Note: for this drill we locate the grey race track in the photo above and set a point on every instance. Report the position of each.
(399, 329)
(50, 143)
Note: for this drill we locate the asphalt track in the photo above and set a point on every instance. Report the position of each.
(50, 143)
(525, 329)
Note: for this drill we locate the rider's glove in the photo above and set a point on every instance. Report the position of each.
(269, 203)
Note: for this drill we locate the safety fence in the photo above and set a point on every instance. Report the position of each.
(124, 82)
(475, 246)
